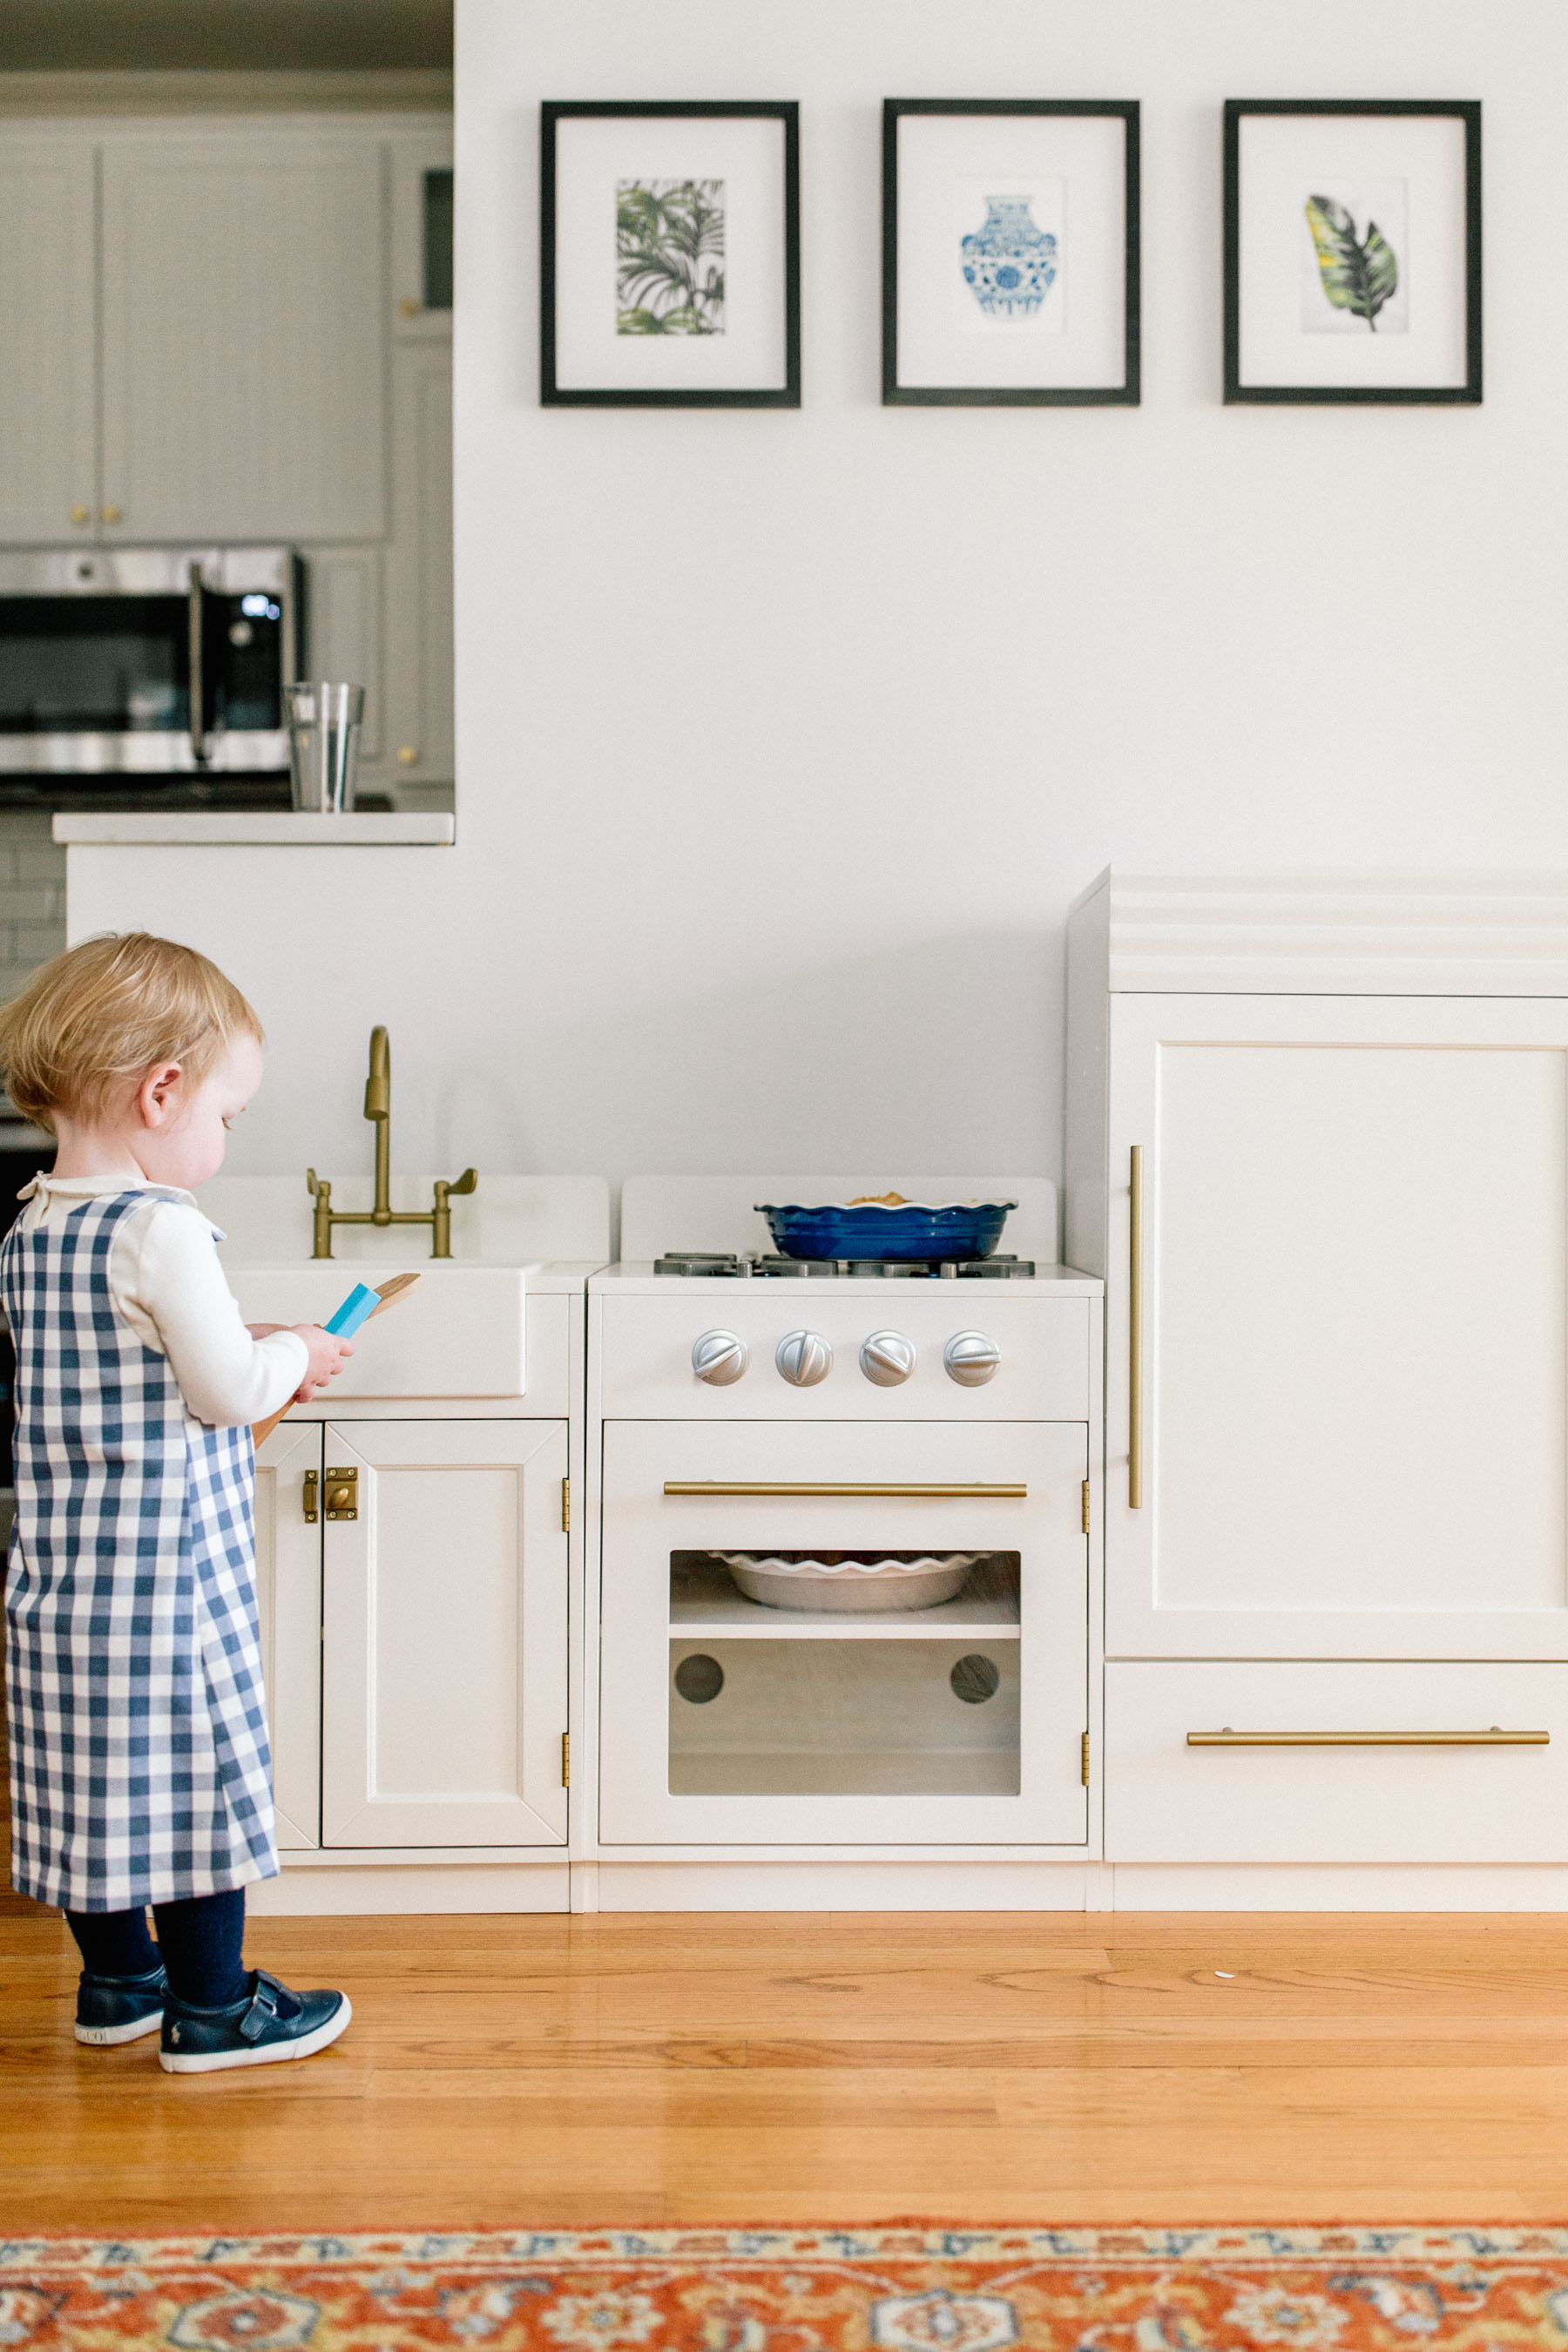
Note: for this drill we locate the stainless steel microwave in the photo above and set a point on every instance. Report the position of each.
(146, 664)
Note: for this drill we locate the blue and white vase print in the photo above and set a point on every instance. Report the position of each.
(1009, 262)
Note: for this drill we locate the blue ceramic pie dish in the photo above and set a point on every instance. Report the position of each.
(903, 1232)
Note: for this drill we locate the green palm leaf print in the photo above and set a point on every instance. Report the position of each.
(1358, 277)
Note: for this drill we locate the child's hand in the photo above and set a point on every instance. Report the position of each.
(328, 1353)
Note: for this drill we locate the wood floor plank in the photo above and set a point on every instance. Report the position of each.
(824, 2068)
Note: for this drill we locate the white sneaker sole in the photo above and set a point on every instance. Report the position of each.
(265, 2054)
(106, 2037)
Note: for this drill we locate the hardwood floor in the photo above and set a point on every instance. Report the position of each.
(831, 2068)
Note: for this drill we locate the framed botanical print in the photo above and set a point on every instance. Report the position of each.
(1353, 249)
(670, 254)
(1009, 252)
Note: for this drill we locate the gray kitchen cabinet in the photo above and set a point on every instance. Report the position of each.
(48, 391)
(216, 330)
(420, 190)
(419, 721)
(344, 618)
(243, 367)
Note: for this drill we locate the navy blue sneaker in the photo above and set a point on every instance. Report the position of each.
(270, 2023)
(119, 2009)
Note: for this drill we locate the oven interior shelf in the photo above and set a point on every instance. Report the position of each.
(703, 1599)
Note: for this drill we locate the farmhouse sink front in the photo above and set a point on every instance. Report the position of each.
(460, 1334)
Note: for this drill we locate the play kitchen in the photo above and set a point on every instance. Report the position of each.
(848, 1449)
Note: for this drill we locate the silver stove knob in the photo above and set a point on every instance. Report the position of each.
(803, 1357)
(888, 1358)
(720, 1357)
(971, 1359)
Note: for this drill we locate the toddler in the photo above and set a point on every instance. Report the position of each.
(140, 1767)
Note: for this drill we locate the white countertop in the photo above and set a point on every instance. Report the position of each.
(260, 828)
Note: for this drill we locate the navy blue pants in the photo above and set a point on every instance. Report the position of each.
(200, 1943)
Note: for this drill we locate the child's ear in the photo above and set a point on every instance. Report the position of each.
(156, 1096)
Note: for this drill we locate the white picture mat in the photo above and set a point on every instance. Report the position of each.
(1277, 153)
(1088, 154)
(592, 154)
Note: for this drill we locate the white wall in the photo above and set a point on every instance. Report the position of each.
(785, 739)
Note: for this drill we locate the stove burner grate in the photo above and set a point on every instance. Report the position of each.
(725, 1264)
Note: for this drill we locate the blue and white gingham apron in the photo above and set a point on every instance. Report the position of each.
(140, 1767)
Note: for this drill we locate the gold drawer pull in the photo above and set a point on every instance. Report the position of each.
(1496, 1738)
(970, 1494)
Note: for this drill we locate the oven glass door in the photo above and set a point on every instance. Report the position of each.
(896, 1666)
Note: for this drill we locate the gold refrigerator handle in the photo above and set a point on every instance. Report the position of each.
(1495, 1737)
(1135, 1329)
(926, 1493)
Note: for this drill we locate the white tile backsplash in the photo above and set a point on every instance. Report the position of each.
(32, 897)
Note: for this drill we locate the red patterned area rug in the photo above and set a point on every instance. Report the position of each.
(910, 2288)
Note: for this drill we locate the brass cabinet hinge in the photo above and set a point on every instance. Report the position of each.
(1086, 1507)
(342, 1493)
(566, 1759)
(312, 1512)
(1084, 1763)
(566, 1507)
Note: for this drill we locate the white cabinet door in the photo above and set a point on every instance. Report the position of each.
(420, 568)
(288, 1600)
(48, 340)
(444, 1646)
(1354, 1327)
(726, 1720)
(244, 338)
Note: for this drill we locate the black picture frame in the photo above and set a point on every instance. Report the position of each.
(554, 396)
(1128, 394)
(1468, 394)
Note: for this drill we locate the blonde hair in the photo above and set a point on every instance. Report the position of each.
(107, 1010)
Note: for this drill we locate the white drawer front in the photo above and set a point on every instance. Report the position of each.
(1044, 1373)
(1167, 1801)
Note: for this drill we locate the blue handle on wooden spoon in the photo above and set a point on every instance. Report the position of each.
(357, 1308)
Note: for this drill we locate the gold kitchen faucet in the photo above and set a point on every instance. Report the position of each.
(378, 1106)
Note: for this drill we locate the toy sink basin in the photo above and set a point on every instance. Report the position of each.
(864, 1587)
(461, 1333)
(897, 1231)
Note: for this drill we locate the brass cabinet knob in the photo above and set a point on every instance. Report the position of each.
(409, 307)
(407, 754)
(81, 514)
(111, 514)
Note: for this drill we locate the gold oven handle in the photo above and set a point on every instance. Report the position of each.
(1135, 1329)
(1495, 1737)
(920, 1494)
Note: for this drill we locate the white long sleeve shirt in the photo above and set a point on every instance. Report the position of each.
(165, 1278)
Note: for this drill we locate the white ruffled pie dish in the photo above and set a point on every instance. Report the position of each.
(857, 1587)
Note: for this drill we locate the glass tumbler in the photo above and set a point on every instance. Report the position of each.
(324, 744)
